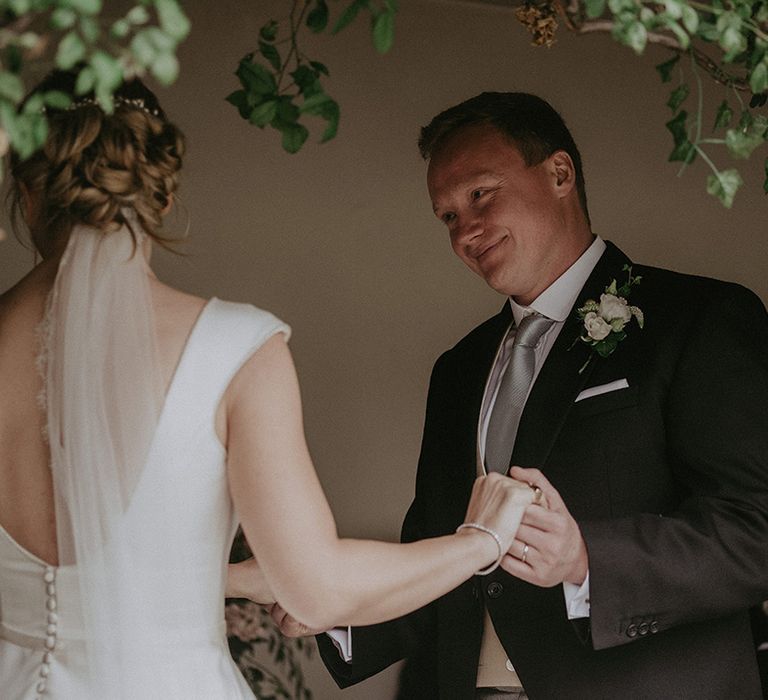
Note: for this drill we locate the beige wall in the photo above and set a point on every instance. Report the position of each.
(339, 240)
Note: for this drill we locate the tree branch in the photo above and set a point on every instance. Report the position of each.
(702, 60)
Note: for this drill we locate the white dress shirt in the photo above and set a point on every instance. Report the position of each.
(555, 302)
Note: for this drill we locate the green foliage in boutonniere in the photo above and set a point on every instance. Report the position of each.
(604, 321)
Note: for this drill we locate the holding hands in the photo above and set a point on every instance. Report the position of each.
(548, 548)
(495, 512)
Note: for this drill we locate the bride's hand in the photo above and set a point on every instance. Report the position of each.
(498, 503)
(246, 580)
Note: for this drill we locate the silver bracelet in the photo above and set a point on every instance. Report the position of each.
(497, 539)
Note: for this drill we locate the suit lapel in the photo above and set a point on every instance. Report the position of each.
(559, 381)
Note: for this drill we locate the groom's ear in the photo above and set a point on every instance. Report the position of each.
(563, 172)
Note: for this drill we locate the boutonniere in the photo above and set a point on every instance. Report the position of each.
(604, 321)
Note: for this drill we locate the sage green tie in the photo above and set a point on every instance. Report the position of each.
(513, 390)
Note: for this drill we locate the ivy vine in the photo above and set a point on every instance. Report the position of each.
(724, 40)
(280, 84)
(65, 33)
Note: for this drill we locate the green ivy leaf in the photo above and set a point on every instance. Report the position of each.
(173, 21)
(86, 79)
(665, 69)
(317, 19)
(263, 114)
(708, 31)
(314, 104)
(89, 28)
(294, 136)
(680, 34)
(11, 87)
(724, 186)
(239, 99)
(384, 31)
(19, 7)
(63, 18)
(678, 96)
(674, 8)
(138, 15)
(758, 79)
(270, 53)
(320, 67)
(83, 7)
(690, 19)
(120, 29)
(595, 8)
(143, 49)
(683, 150)
(255, 78)
(71, 50)
(331, 114)
(741, 142)
(36, 103)
(269, 31)
(730, 38)
(348, 16)
(306, 80)
(635, 35)
(107, 71)
(724, 115)
(162, 41)
(287, 112)
(165, 68)
(57, 99)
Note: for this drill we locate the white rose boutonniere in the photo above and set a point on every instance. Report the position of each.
(604, 321)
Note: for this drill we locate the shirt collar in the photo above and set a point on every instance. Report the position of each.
(557, 300)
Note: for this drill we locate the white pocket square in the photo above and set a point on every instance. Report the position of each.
(603, 389)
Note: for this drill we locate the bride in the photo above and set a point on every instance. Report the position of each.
(139, 425)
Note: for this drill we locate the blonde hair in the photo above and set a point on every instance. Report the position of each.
(95, 165)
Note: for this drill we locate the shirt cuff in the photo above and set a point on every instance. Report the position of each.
(577, 599)
(342, 640)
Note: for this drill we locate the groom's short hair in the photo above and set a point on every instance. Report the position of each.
(529, 122)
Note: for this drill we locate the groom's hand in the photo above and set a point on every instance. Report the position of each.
(290, 626)
(548, 548)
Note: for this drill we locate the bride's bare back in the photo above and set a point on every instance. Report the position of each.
(26, 490)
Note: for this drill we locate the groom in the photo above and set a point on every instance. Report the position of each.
(650, 443)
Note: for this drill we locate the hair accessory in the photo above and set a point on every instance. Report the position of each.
(492, 533)
(134, 102)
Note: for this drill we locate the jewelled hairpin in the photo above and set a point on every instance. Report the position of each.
(134, 102)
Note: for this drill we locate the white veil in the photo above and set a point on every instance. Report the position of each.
(104, 395)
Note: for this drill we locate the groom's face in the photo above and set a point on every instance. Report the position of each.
(503, 216)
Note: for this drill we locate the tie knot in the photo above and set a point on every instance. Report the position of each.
(530, 330)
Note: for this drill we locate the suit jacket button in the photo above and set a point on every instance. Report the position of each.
(632, 630)
(495, 589)
(642, 629)
(654, 627)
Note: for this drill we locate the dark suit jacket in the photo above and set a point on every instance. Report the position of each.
(668, 480)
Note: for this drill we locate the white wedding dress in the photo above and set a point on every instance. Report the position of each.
(42, 650)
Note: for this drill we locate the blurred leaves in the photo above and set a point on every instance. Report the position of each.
(280, 86)
(725, 39)
(75, 32)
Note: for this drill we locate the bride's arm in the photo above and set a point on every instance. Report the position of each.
(319, 578)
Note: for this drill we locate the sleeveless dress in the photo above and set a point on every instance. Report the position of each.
(42, 652)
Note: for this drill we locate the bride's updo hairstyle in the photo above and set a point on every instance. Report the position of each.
(95, 165)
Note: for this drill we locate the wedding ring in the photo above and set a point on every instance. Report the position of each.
(525, 554)
(537, 493)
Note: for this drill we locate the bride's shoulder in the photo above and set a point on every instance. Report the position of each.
(247, 316)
